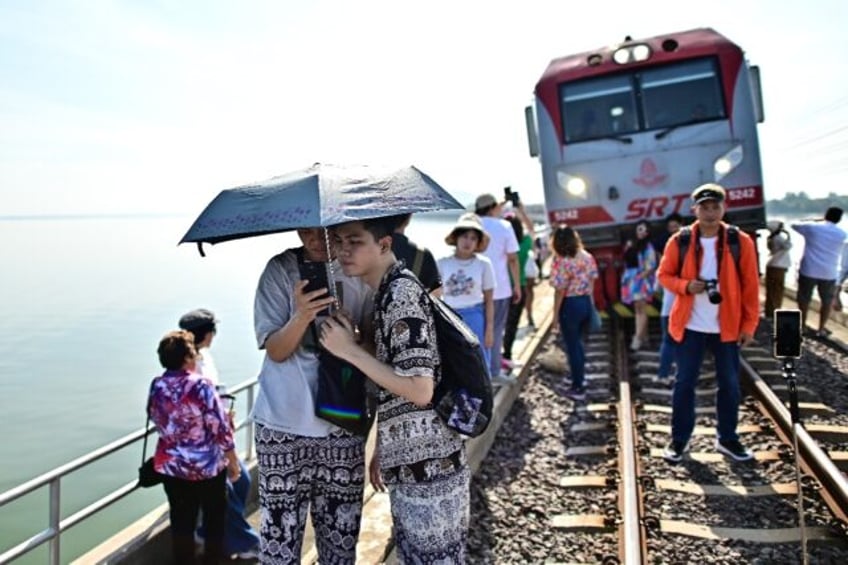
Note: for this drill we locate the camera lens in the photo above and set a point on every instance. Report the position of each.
(713, 294)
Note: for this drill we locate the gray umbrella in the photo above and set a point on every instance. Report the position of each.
(321, 195)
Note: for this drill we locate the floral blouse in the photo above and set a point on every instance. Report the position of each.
(194, 432)
(576, 275)
(415, 444)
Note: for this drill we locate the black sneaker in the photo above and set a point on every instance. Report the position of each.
(674, 451)
(576, 394)
(734, 449)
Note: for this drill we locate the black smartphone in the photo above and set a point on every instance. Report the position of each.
(510, 196)
(787, 334)
(316, 274)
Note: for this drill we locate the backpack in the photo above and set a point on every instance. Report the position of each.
(685, 237)
(463, 398)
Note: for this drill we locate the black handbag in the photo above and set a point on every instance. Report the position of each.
(147, 475)
(342, 397)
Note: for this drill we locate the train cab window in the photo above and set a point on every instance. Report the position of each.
(682, 93)
(598, 107)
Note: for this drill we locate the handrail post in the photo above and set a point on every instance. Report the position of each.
(55, 518)
(250, 397)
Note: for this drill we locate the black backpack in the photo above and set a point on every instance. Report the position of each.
(685, 236)
(463, 397)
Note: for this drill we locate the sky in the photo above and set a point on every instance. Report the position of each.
(124, 107)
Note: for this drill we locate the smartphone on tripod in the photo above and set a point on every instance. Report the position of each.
(787, 334)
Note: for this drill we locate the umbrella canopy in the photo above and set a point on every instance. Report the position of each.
(319, 196)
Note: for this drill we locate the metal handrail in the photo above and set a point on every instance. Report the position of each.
(53, 479)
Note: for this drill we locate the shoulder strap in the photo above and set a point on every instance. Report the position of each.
(147, 423)
(418, 262)
(733, 243)
(683, 239)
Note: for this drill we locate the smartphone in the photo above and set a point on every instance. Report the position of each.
(787, 334)
(316, 274)
(510, 196)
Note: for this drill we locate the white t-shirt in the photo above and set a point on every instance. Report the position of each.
(464, 280)
(206, 366)
(287, 390)
(704, 316)
(502, 243)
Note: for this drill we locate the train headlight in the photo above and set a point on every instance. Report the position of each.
(631, 54)
(621, 56)
(572, 184)
(725, 164)
(641, 52)
(576, 186)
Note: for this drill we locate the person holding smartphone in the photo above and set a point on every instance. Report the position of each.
(307, 466)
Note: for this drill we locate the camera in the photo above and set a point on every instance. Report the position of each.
(787, 334)
(511, 196)
(712, 291)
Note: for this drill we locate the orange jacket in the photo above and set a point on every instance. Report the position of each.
(739, 310)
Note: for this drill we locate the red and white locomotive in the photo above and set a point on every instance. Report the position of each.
(625, 133)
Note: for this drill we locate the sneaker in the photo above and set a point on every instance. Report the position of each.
(504, 378)
(250, 554)
(510, 364)
(674, 451)
(636, 344)
(663, 381)
(576, 394)
(734, 449)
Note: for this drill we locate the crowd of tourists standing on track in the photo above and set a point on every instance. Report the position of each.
(308, 466)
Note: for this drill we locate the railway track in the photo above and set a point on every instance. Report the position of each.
(586, 482)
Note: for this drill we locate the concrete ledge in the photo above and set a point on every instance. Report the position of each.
(148, 540)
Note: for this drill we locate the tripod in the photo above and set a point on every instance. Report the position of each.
(790, 375)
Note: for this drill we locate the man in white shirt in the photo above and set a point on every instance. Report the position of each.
(823, 242)
(503, 253)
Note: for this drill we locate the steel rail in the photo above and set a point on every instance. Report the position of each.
(632, 549)
(813, 458)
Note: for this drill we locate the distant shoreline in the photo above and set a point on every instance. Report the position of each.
(81, 216)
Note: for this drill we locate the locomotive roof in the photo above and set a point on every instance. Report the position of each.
(692, 43)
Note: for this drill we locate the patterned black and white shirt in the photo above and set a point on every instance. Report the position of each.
(415, 444)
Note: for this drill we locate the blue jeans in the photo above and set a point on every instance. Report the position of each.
(667, 347)
(690, 355)
(239, 535)
(501, 311)
(475, 318)
(573, 322)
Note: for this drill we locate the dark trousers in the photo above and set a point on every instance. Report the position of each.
(186, 499)
(574, 317)
(690, 356)
(774, 290)
(512, 319)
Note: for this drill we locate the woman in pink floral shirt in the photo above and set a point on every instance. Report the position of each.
(573, 274)
(195, 452)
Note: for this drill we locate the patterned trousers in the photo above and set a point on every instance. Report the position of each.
(323, 476)
(431, 519)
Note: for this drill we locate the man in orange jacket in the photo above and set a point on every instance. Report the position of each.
(716, 308)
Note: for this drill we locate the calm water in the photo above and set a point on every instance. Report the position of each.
(84, 303)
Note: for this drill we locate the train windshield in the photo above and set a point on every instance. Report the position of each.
(646, 99)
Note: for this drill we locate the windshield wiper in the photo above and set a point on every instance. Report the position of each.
(668, 130)
(620, 138)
